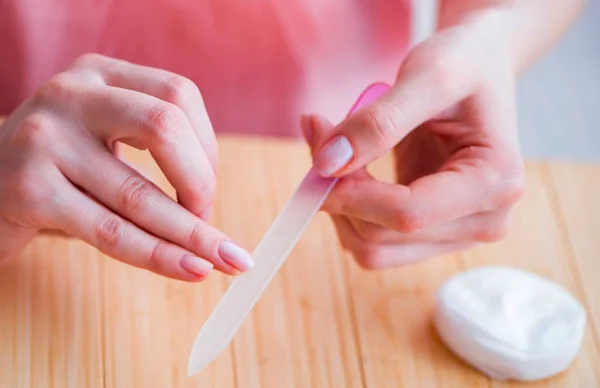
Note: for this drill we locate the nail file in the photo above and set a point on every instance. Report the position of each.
(269, 255)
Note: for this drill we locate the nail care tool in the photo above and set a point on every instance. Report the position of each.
(269, 255)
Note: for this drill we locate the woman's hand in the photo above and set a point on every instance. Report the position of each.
(58, 169)
(450, 120)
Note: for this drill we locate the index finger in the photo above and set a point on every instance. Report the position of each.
(165, 85)
(144, 121)
(461, 188)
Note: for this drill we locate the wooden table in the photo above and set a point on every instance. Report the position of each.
(71, 317)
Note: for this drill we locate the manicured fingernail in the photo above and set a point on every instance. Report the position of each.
(306, 127)
(235, 256)
(335, 155)
(196, 266)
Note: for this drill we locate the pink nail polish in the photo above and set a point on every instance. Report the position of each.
(196, 266)
(334, 156)
(235, 256)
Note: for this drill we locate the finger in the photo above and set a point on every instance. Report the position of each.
(380, 256)
(473, 183)
(165, 85)
(126, 192)
(139, 169)
(144, 121)
(54, 232)
(483, 227)
(88, 220)
(172, 88)
(314, 128)
(430, 81)
(116, 149)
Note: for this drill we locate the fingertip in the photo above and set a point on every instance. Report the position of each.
(200, 200)
(206, 215)
(306, 128)
(350, 145)
(334, 156)
(235, 256)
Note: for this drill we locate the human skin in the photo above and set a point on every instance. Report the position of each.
(450, 120)
(458, 174)
(51, 148)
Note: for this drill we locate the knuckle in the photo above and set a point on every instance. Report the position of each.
(35, 131)
(492, 232)
(166, 121)
(135, 193)
(28, 190)
(422, 55)
(109, 231)
(369, 231)
(90, 60)
(409, 221)
(443, 74)
(343, 197)
(61, 87)
(441, 64)
(180, 90)
(514, 187)
(507, 187)
(369, 257)
(382, 120)
(154, 260)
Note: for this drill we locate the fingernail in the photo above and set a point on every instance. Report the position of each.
(235, 256)
(306, 127)
(335, 155)
(196, 266)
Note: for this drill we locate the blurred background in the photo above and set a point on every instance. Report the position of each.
(558, 97)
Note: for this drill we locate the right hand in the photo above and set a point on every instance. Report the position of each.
(58, 169)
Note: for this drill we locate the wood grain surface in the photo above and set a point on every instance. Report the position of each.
(72, 317)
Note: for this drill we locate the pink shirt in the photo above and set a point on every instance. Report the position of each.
(258, 63)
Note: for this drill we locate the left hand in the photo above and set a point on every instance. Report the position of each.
(450, 120)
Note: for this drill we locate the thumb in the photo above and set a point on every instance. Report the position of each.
(417, 96)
